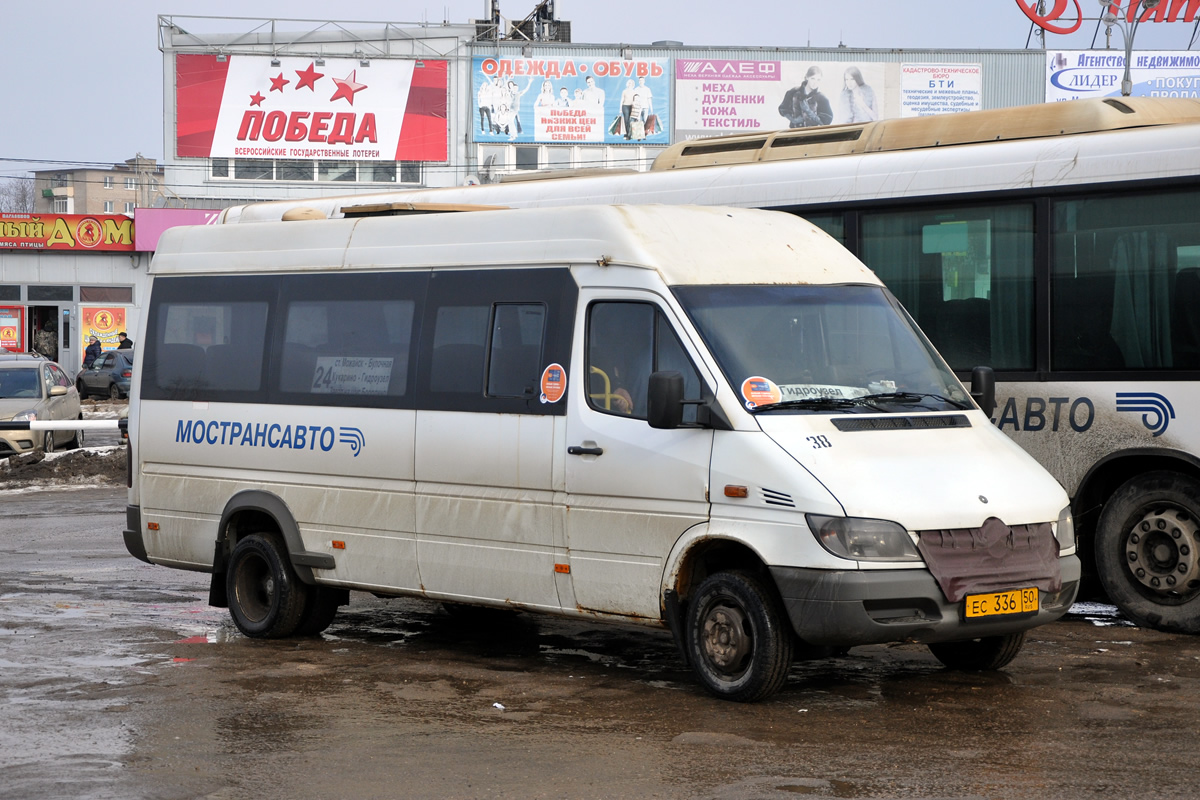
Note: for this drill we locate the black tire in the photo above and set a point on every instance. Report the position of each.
(77, 440)
(985, 653)
(1146, 551)
(114, 393)
(81, 387)
(739, 639)
(48, 442)
(266, 598)
(319, 611)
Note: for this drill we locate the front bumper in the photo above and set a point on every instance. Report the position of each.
(855, 607)
(15, 442)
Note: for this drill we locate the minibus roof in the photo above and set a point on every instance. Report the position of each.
(684, 244)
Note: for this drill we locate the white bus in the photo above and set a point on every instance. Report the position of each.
(1059, 244)
(715, 420)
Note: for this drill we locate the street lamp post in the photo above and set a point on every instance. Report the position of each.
(1128, 30)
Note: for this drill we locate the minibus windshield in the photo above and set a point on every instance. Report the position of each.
(821, 349)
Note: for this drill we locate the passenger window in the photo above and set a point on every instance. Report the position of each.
(626, 343)
(210, 347)
(347, 347)
(1125, 283)
(459, 344)
(515, 349)
(966, 277)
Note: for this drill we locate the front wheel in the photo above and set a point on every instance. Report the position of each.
(1146, 551)
(984, 653)
(738, 637)
(48, 442)
(81, 387)
(319, 611)
(266, 598)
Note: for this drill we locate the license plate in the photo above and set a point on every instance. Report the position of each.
(1014, 601)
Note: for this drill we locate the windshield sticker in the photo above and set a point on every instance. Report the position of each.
(811, 391)
(350, 375)
(759, 391)
(554, 383)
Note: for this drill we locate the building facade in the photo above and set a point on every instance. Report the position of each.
(137, 183)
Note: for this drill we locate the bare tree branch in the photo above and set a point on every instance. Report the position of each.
(16, 196)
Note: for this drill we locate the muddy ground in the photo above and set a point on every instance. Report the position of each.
(100, 462)
(117, 680)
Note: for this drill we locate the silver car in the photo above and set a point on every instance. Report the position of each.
(35, 389)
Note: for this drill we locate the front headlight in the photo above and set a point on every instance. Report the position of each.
(28, 415)
(1064, 531)
(863, 539)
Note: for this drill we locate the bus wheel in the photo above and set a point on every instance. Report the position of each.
(319, 611)
(266, 599)
(987, 652)
(738, 638)
(1146, 551)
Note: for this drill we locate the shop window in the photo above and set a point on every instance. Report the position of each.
(106, 294)
(55, 294)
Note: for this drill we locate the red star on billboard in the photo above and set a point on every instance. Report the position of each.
(308, 77)
(278, 82)
(347, 87)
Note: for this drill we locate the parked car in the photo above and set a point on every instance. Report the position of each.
(108, 376)
(33, 389)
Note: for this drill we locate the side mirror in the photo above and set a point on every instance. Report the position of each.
(58, 391)
(983, 389)
(665, 401)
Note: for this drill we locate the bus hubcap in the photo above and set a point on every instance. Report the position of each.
(1161, 552)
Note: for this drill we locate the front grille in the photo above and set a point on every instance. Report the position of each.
(896, 423)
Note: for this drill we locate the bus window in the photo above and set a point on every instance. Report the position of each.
(1124, 283)
(515, 353)
(833, 224)
(951, 268)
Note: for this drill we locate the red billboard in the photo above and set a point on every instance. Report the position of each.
(341, 109)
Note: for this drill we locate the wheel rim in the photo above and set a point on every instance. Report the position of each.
(1160, 551)
(114, 392)
(48, 443)
(255, 588)
(726, 641)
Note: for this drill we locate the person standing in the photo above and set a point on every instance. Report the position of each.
(46, 341)
(805, 106)
(593, 94)
(857, 99)
(91, 352)
(486, 98)
(627, 106)
(126, 342)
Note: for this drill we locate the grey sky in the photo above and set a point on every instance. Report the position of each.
(84, 78)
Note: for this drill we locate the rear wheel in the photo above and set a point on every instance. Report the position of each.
(77, 440)
(113, 392)
(266, 598)
(984, 653)
(738, 637)
(1147, 544)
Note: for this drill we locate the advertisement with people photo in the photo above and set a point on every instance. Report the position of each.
(571, 101)
(717, 96)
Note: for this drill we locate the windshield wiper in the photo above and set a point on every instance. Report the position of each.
(815, 403)
(913, 397)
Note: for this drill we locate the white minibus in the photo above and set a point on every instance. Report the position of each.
(713, 420)
(1057, 244)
